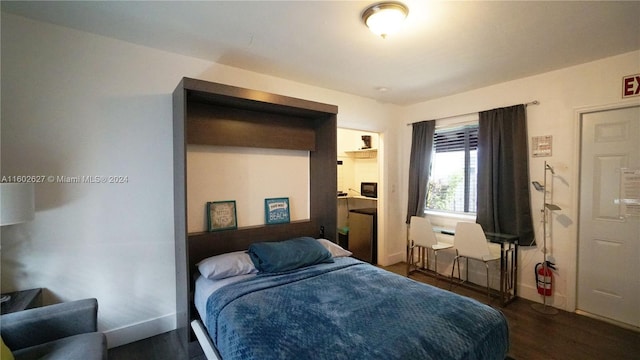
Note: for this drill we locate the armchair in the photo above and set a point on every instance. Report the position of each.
(61, 331)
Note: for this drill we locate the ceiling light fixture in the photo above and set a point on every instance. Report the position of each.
(385, 18)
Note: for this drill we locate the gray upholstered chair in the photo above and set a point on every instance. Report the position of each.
(62, 331)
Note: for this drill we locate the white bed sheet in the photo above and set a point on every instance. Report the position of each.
(205, 287)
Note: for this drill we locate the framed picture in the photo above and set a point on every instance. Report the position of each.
(276, 210)
(221, 215)
(541, 145)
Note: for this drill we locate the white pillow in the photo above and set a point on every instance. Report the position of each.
(226, 265)
(334, 249)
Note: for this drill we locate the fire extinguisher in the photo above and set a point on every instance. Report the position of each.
(544, 277)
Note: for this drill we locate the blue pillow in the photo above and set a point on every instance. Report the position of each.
(272, 257)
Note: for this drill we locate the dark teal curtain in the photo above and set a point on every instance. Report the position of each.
(419, 166)
(503, 173)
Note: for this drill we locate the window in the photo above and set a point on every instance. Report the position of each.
(452, 182)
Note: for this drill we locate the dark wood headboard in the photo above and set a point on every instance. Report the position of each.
(207, 113)
(205, 244)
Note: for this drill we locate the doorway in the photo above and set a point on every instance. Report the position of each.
(609, 215)
(358, 192)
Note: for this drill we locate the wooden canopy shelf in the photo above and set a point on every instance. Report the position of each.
(363, 154)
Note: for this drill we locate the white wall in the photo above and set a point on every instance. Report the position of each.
(75, 104)
(247, 176)
(561, 94)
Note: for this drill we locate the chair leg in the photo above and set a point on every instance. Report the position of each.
(435, 267)
(456, 260)
(488, 291)
(452, 271)
(467, 270)
(410, 260)
(426, 257)
(458, 264)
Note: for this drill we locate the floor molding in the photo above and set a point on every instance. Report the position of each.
(141, 330)
(610, 321)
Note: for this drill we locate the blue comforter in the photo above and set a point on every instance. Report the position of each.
(350, 310)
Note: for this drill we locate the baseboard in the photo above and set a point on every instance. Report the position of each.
(610, 321)
(141, 330)
(558, 301)
(392, 259)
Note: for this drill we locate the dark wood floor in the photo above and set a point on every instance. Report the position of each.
(562, 336)
(161, 347)
(533, 335)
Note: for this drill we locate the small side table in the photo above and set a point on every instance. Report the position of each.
(22, 300)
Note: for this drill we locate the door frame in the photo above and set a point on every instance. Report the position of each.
(572, 273)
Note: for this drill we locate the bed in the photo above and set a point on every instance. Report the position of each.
(317, 302)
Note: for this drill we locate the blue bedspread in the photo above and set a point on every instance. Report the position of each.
(350, 310)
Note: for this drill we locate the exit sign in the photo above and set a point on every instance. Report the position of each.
(631, 85)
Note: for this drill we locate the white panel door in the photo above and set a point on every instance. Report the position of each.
(609, 237)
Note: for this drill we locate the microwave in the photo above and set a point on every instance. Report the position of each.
(369, 189)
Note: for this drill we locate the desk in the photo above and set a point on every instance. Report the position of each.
(508, 262)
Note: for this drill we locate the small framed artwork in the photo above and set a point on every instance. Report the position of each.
(221, 215)
(541, 145)
(276, 210)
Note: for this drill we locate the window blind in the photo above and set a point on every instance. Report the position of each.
(448, 140)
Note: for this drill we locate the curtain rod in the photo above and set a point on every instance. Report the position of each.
(534, 102)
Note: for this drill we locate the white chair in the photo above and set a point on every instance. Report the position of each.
(471, 243)
(421, 236)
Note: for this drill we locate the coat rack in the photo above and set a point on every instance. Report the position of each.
(544, 308)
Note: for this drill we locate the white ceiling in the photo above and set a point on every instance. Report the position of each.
(446, 47)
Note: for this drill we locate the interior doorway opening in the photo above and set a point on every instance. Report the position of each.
(359, 193)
